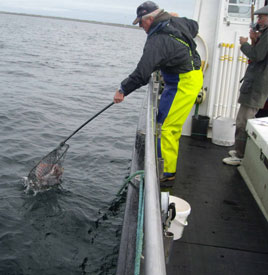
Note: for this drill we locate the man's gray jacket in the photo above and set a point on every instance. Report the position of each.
(254, 90)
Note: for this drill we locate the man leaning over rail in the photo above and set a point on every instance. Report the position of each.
(169, 47)
(254, 90)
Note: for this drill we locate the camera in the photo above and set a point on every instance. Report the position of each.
(255, 27)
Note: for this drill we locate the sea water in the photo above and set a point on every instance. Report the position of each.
(54, 75)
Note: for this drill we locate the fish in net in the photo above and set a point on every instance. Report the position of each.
(49, 170)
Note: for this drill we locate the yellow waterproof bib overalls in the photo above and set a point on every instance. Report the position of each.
(175, 104)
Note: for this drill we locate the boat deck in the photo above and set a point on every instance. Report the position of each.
(226, 233)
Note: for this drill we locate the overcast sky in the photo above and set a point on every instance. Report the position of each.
(114, 11)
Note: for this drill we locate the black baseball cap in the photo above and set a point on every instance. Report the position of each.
(145, 8)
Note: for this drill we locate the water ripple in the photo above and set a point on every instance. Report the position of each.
(55, 75)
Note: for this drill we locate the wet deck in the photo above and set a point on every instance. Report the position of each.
(226, 232)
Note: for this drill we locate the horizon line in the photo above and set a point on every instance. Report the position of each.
(70, 19)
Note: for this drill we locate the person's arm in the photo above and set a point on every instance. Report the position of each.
(257, 52)
(153, 56)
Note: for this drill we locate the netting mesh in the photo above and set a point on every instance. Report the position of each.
(49, 170)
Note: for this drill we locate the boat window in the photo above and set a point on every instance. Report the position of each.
(239, 8)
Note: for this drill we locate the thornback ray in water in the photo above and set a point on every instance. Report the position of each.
(49, 170)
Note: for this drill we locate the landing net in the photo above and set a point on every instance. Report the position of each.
(49, 170)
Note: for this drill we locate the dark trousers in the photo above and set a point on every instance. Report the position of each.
(243, 115)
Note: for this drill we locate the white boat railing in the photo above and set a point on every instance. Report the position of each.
(154, 262)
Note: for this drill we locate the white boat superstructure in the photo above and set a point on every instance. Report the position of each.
(221, 23)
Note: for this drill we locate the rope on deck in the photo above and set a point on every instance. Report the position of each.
(139, 172)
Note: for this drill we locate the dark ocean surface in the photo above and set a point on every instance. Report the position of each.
(54, 75)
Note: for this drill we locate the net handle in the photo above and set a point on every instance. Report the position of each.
(84, 124)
